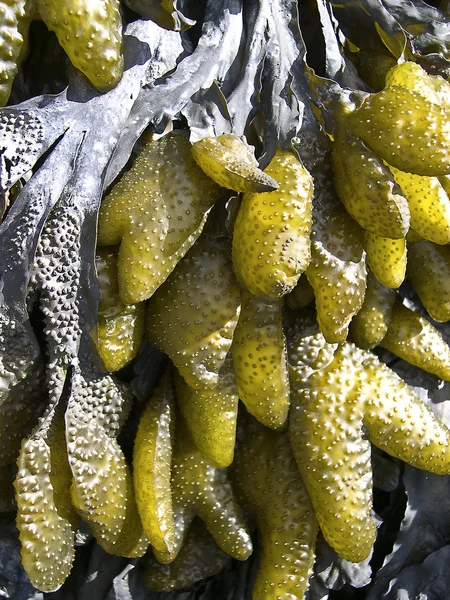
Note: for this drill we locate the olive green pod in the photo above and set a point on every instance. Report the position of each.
(120, 326)
(325, 428)
(15, 19)
(271, 239)
(413, 77)
(369, 326)
(211, 414)
(337, 272)
(102, 488)
(200, 557)
(406, 130)
(400, 423)
(231, 163)
(200, 489)
(259, 355)
(367, 188)
(91, 34)
(155, 212)
(192, 317)
(163, 12)
(266, 472)
(387, 259)
(429, 205)
(429, 272)
(152, 460)
(46, 518)
(416, 340)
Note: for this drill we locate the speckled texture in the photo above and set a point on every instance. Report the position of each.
(259, 355)
(336, 392)
(102, 489)
(192, 317)
(406, 130)
(120, 326)
(211, 415)
(267, 476)
(416, 340)
(199, 558)
(411, 76)
(156, 212)
(198, 488)
(369, 326)
(152, 466)
(231, 163)
(387, 259)
(429, 206)
(271, 240)
(337, 272)
(367, 188)
(46, 518)
(429, 272)
(15, 19)
(91, 34)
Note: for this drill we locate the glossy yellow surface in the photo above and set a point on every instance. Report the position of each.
(155, 212)
(429, 272)
(416, 340)
(271, 239)
(152, 460)
(259, 355)
(120, 326)
(336, 392)
(46, 519)
(211, 413)
(429, 205)
(192, 317)
(266, 473)
(369, 326)
(91, 34)
(231, 163)
(367, 188)
(337, 272)
(386, 259)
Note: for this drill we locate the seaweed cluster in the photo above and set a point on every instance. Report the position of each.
(203, 251)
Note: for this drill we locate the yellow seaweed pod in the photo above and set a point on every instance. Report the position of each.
(152, 466)
(120, 326)
(91, 34)
(271, 239)
(333, 457)
(200, 489)
(46, 519)
(192, 317)
(429, 205)
(413, 77)
(259, 355)
(337, 272)
(399, 422)
(429, 272)
(336, 392)
(211, 415)
(387, 259)
(155, 212)
(231, 163)
(266, 473)
(406, 130)
(416, 340)
(15, 19)
(367, 188)
(369, 326)
(199, 557)
(102, 488)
